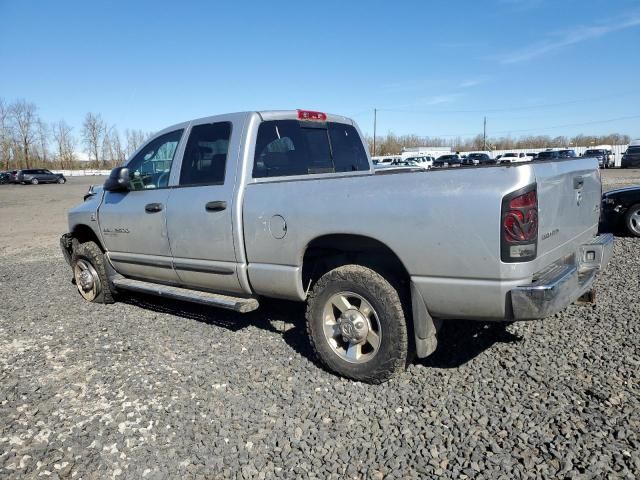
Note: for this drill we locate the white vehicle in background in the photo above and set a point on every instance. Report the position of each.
(513, 157)
(422, 162)
(384, 161)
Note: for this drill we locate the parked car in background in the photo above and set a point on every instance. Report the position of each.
(5, 177)
(532, 155)
(631, 158)
(39, 175)
(452, 160)
(621, 208)
(423, 162)
(512, 157)
(478, 158)
(603, 156)
(556, 154)
(13, 176)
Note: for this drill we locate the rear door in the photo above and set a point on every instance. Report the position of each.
(569, 194)
(133, 223)
(199, 215)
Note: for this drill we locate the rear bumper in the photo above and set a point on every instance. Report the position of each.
(562, 283)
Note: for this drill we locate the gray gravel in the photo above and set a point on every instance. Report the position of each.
(154, 389)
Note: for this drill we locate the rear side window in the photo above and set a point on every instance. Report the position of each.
(346, 146)
(289, 147)
(205, 156)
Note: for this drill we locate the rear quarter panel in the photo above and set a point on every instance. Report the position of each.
(443, 225)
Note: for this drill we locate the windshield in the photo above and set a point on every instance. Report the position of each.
(593, 152)
(510, 155)
(544, 155)
(633, 150)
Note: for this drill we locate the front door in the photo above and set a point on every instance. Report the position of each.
(199, 216)
(133, 223)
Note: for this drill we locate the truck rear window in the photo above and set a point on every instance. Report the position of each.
(290, 147)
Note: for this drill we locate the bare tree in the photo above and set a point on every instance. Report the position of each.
(6, 136)
(42, 134)
(65, 143)
(23, 116)
(134, 139)
(93, 132)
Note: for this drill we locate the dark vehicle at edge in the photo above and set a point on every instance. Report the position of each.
(478, 159)
(631, 158)
(621, 209)
(35, 176)
(450, 160)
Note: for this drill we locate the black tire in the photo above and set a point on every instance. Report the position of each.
(89, 252)
(632, 221)
(392, 354)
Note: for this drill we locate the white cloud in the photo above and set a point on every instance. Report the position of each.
(572, 36)
(472, 82)
(440, 99)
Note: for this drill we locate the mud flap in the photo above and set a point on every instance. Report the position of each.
(425, 328)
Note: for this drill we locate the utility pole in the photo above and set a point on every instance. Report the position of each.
(375, 114)
(484, 135)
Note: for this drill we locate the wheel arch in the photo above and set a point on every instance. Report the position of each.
(84, 233)
(329, 251)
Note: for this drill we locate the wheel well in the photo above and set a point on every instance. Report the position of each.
(331, 251)
(83, 233)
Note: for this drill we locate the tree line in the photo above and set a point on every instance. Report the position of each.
(28, 141)
(391, 144)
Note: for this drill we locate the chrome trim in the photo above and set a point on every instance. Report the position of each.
(562, 283)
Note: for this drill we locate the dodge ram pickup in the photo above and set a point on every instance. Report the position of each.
(230, 209)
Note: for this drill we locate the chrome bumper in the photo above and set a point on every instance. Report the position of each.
(562, 283)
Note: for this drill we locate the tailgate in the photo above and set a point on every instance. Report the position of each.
(569, 193)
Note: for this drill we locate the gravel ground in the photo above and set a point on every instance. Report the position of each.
(155, 389)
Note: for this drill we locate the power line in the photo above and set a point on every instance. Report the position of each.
(514, 108)
(566, 125)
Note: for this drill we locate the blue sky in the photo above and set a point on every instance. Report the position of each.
(432, 68)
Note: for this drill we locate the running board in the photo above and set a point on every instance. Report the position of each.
(238, 304)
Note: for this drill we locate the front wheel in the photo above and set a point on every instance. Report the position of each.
(34, 181)
(61, 180)
(356, 324)
(632, 220)
(89, 273)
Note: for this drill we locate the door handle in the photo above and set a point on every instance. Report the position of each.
(578, 182)
(153, 207)
(216, 206)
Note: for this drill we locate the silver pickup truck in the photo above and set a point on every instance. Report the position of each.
(229, 209)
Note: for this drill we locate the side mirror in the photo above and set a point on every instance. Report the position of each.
(118, 180)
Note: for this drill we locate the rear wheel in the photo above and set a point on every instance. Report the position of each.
(356, 324)
(34, 181)
(632, 220)
(89, 273)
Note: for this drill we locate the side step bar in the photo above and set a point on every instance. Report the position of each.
(238, 304)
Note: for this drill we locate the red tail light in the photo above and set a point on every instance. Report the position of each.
(519, 226)
(311, 115)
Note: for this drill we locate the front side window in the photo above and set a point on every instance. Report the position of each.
(205, 156)
(290, 147)
(151, 167)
